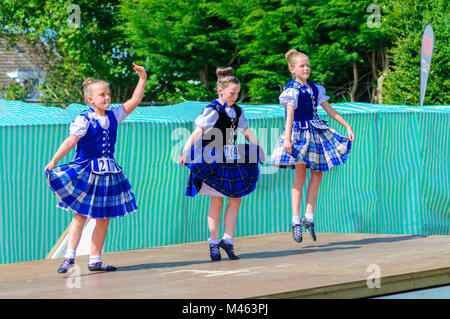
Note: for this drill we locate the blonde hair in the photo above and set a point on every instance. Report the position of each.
(88, 84)
(292, 55)
(225, 77)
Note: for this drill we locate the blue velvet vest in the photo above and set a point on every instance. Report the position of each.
(98, 142)
(305, 108)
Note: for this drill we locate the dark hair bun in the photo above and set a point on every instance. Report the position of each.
(224, 72)
(87, 82)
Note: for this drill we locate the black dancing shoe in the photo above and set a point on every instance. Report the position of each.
(297, 233)
(66, 265)
(229, 249)
(214, 252)
(309, 227)
(99, 266)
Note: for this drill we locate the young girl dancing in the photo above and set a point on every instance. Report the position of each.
(219, 168)
(93, 184)
(306, 140)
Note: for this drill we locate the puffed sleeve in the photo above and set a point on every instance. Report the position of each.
(289, 97)
(207, 119)
(322, 96)
(119, 113)
(79, 126)
(243, 122)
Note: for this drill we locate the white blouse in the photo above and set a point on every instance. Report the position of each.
(290, 96)
(80, 125)
(209, 117)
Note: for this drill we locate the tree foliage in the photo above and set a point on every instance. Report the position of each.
(72, 52)
(407, 20)
(182, 42)
(187, 40)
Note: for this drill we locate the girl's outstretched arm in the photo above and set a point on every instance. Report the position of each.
(195, 136)
(249, 136)
(130, 105)
(62, 151)
(338, 118)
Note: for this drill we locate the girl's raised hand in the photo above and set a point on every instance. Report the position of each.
(130, 105)
(140, 70)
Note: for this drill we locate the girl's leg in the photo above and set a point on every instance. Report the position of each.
(99, 236)
(311, 197)
(215, 207)
(297, 189)
(296, 194)
(97, 242)
(313, 191)
(76, 228)
(227, 242)
(230, 216)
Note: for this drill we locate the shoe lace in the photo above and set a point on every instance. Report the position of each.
(297, 231)
(215, 249)
(66, 263)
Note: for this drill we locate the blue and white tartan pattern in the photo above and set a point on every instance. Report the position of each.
(83, 192)
(319, 149)
(231, 179)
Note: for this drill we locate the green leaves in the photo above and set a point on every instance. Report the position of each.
(406, 24)
(82, 41)
(365, 50)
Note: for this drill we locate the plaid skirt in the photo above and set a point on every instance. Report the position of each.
(319, 149)
(89, 194)
(234, 178)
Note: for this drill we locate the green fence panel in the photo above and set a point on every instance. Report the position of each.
(396, 180)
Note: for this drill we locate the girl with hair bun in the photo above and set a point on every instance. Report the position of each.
(307, 142)
(218, 167)
(93, 184)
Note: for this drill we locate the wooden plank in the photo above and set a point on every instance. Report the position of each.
(271, 266)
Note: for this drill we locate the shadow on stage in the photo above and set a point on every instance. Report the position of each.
(346, 245)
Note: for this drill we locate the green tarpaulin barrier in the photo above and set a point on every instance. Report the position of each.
(396, 180)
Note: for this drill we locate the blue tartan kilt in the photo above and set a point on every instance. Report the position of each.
(233, 178)
(319, 149)
(80, 190)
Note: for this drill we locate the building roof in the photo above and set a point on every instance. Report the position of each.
(19, 57)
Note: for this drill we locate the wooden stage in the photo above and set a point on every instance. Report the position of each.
(271, 266)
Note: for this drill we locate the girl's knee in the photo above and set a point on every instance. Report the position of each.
(300, 176)
(300, 171)
(103, 223)
(79, 219)
(216, 201)
(316, 174)
(234, 201)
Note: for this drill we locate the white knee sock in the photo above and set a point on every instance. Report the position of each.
(70, 253)
(310, 217)
(213, 241)
(93, 259)
(295, 220)
(228, 240)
